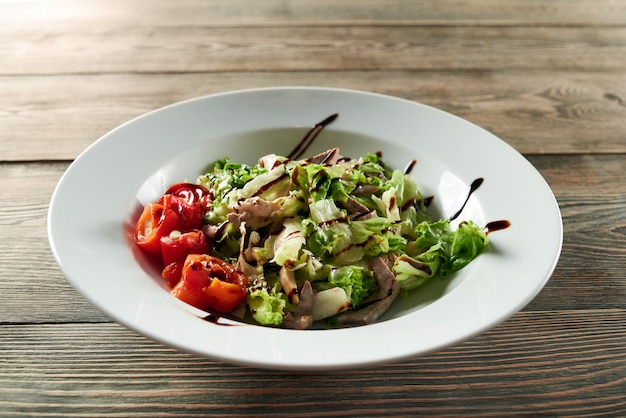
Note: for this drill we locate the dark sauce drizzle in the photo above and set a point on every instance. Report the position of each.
(408, 204)
(269, 185)
(491, 226)
(473, 187)
(409, 167)
(497, 226)
(310, 136)
(216, 318)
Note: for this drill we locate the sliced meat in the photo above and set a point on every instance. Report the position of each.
(385, 279)
(246, 268)
(366, 189)
(364, 216)
(329, 157)
(353, 206)
(388, 290)
(288, 281)
(370, 313)
(255, 212)
(214, 233)
(302, 317)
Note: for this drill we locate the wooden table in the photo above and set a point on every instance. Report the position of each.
(548, 77)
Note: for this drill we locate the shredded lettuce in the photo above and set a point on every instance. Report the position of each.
(288, 243)
(357, 282)
(327, 222)
(469, 241)
(377, 236)
(439, 250)
(267, 308)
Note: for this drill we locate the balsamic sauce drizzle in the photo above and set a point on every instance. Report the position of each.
(491, 226)
(222, 319)
(409, 167)
(497, 226)
(310, 136)
(473, 187)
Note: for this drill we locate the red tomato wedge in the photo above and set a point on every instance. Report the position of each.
(191, 214)
(161, 218)
(223, 296)
(155, 222)
(191, 193)
(209, 283)
(176, 247)
(173, 272)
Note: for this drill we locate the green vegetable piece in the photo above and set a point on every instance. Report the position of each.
(267, 308)
(358, 282)
(469, 241)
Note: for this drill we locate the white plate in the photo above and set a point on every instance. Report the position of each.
(100, 195)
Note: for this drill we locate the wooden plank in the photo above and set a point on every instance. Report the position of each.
(327, 12)
(31, 280)
(57, 117)
(36, 291)
(593, 221)
(70, 50)
(547, 363)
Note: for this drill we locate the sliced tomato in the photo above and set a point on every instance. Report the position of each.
(209, 283)
(189, 288)
(173, 272)
(155, 221)
(191, 214)
(191, 193)
(223, 296)
(176, 247)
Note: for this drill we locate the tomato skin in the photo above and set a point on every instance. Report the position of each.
(174, 250)
(223, 296)
(191, 193)
(155, 221)
(178, 247)
(209, 283)
(191, 215)
(173, 272)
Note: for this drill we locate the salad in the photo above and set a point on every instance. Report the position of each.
(325, 241)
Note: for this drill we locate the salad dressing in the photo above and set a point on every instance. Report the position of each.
(310, 136)
(473, 187)
(268, 185)
(409, 167)
(497, 226)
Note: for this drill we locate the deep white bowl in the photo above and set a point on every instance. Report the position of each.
(98, 199)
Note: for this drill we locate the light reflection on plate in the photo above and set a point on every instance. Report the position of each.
(135, 163)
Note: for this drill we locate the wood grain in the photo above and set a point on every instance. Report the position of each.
(207, 49)
(556, 363)
(535, 112)
(590, 274)
(327, 12)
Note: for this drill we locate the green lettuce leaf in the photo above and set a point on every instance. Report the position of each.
(267, 307)
(357, 282)
(377, 236)
(468, 242)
